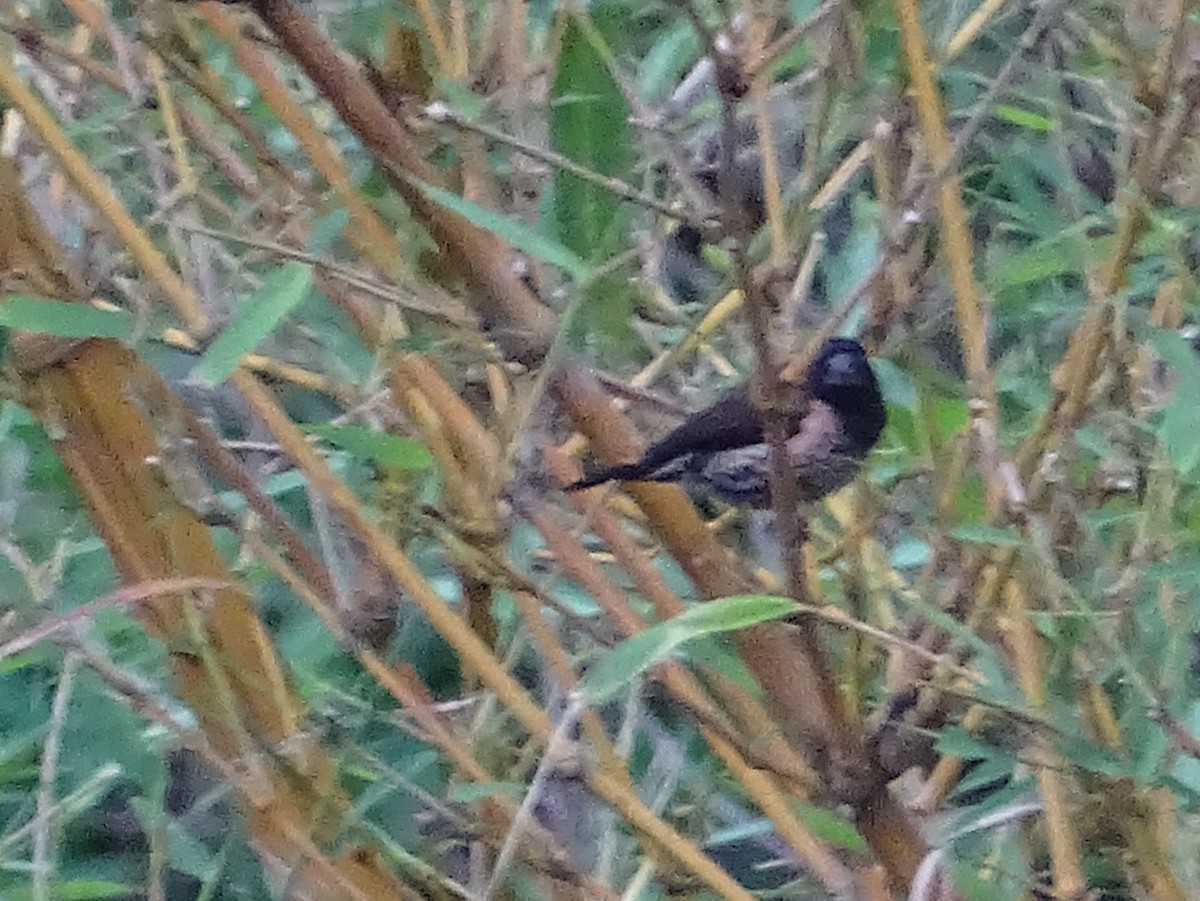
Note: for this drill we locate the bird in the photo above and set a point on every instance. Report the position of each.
(683, 271)
(837, 418)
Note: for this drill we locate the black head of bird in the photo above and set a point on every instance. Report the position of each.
(841, 376)
(723, 448)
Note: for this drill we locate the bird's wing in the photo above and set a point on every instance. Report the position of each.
(732, 422)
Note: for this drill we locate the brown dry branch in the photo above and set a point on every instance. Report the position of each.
(128, 596)
(698, 203)
(471, 650)
(1067, 875)
(273, 170)
(972, 328)
(1073, 381)
(185, 304)
(222, 659)
(816, 745)
(829, 731)
(715, 876)
(469, 440)
(516, 319)
(812, 708)
(541, 851)
(355, 873)
(365, 230)
(380, 247)
(240, 638)
(95, 188)
(724, 740)
(445, 115)
(772, 652)
(972, 332)
(772, 195)
(754, 730)
(375, 241)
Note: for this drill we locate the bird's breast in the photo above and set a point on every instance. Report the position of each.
(820, 457)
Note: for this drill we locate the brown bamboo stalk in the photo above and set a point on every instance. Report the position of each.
(754, 732)
(471, 650)
(956, 236)
(770, 650)
(759, 786)
(95, 188)
(223, 662)
(365, 230)
(522, 325)
(405, 686)
(1066, 865)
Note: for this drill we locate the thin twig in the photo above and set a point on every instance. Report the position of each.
(43, 862)
(447, 115)
(550, 760)
(445, 307)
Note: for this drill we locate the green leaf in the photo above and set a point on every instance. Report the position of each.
(950, 416)
(896, 384)
(516, 233)
(859, 253)
(957, 742)
(1090, 756)
(64, 319)
(1043, 261)
(675, 50)
(602, 312)
(637, 654)
(79, 890)
(589, 124)
(1148, 743)
(831, 827)
(379, 447)
(975, 887)
(1017, 171)
(991, 773)
(466, 792)
(326, 230)
(258, 316)
(1024, 118)
(185, 852)
(981, 534)
(1187, 768)
(1177, 432)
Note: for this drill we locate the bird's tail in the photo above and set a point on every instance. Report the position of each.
(632, 472)
(623, 473)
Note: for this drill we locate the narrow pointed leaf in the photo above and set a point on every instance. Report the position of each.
(64, 319)
(518, 234)
(378, 447)
(635, 655)
(258, 316)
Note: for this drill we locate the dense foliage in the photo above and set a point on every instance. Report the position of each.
(309, 312)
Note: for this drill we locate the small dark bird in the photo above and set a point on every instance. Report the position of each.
(684, 272)
(724, 448)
